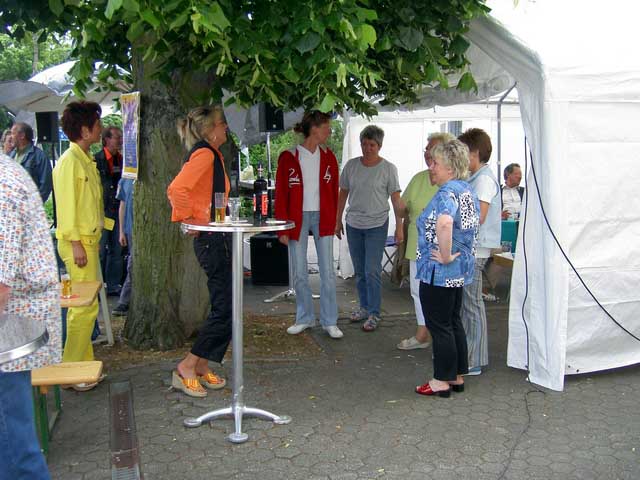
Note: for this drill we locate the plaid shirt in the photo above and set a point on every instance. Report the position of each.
(27, 263)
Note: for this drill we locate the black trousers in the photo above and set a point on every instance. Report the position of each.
(213, 251)
(441, 308)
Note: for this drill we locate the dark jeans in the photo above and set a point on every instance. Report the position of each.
(213, 252)
(125, 294)
(20, 455)
(111, 260)
(441, 307)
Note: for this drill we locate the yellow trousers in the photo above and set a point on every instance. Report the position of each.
(80, 320)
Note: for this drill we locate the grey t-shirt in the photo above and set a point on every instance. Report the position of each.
(369, 191)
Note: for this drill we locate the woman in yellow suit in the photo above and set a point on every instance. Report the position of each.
(79, 214)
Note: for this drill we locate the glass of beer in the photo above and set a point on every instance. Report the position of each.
(66, 285)
(221, 207)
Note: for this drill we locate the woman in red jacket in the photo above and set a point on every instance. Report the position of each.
(307, 194)
(203, 174)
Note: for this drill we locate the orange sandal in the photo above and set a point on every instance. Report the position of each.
(189, 386)
(212, 381)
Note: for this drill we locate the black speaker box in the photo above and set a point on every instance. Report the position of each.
(47, 126)
(269, 260)
(271, 119)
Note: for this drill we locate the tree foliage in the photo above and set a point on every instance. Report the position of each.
(327, 54)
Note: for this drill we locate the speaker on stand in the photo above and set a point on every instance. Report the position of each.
(47, 127)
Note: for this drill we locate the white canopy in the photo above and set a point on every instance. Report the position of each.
(578, 81)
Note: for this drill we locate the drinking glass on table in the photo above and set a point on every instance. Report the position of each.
(221, 207)
(234, 209)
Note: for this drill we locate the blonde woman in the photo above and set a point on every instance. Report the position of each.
(202, 176)
(416, 196)
(447, 235)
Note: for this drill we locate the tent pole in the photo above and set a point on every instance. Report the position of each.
(500, 130)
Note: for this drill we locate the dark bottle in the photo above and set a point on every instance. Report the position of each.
(260, 197)
(269, 196)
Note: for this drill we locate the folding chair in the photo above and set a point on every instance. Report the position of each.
(389, 257)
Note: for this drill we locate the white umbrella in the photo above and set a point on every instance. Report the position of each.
(46, 91)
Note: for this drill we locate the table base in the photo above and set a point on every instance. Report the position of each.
(237, 413)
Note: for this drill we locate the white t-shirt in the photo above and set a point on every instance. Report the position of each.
(485, 189)
(511, 201)
(310, 166)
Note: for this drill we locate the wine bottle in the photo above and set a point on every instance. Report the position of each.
(260, 198)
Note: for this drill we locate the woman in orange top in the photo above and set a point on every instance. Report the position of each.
(191, 192)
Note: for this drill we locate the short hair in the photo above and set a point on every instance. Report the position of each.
(441, 137)
(372, 132)
(508, 170)
(198, 122)
(26, 129)
(455, 155)
(312, 118)
(107, 132)
(477, 139)
(77, 115)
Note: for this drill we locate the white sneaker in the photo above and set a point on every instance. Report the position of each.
(298, 328)
(333, 331)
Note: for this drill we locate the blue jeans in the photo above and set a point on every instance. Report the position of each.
(111, 260)
(324, 248)
(366, 246)
(125, 294)
(20, 455)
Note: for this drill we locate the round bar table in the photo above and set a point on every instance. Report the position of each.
(20, 337)
(237, 408)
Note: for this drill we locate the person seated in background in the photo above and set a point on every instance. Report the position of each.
(7, 142)
(512, 192)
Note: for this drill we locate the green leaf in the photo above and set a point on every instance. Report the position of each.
(459, 45)
(328, 102)
(214, 15)
(135, 31)
(366, 36)
(467, 83)
(347, 29)
(410, 38)
(131, 6)
(150, 18)
(341, 75)
(112, 7)
(365, 14)
(179, 21)
(56, 7)
(307, 43)
(432, 72)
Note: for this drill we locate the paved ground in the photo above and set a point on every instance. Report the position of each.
(355, 416)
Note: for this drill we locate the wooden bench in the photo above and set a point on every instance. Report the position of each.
(68, 373)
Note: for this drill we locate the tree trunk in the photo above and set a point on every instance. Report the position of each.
(170, 298)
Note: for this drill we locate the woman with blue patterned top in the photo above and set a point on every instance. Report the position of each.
(447, 235)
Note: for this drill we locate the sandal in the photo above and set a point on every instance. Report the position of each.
(411, 344)
(371, 324)
(359, 315)
(212, 381)
(189, 386)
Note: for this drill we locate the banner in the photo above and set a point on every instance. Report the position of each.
(130, 104)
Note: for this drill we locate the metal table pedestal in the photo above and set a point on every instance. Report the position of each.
(237, 409)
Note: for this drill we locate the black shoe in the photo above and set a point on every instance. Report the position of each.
(120, 311)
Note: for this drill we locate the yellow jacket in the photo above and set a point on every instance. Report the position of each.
(78, 191)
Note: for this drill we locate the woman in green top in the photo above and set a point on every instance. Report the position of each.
(416, 197)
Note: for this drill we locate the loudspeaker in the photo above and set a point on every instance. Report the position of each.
(269, 260)
(47, 126)
(271, 119)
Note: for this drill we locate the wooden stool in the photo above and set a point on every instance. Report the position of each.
(68, 373)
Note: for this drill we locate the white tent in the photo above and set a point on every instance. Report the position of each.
(578, 81)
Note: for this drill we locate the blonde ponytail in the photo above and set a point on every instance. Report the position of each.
(197, 123)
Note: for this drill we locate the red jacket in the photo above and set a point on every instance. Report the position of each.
(290, 191)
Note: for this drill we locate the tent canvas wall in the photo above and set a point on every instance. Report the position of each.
(578, 81)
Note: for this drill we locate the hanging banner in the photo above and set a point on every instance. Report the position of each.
(130, 104)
